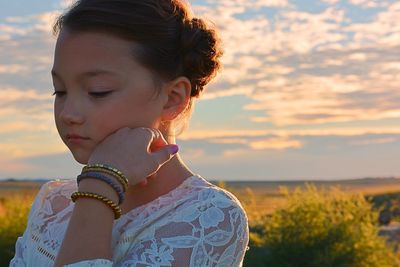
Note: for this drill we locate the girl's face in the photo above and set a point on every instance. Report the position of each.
(87, 64)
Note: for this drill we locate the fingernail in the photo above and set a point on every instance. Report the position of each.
(173, 149)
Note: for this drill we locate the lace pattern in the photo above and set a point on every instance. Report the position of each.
(195, 224)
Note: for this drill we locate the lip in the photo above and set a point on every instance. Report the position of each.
(76, 136)
(76, 139)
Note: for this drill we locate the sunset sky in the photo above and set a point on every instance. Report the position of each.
(310, 89)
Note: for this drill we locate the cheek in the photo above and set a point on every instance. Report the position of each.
(56, 117)
(107, 120)
(137, 112)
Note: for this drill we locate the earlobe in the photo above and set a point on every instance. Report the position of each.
(177, 98)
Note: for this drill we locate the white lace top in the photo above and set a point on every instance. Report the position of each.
(195, 224)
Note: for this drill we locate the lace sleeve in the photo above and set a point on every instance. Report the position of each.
(20, 245)
(91, 263)
(209, 231)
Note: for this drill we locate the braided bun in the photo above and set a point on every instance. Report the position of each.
(201, 51)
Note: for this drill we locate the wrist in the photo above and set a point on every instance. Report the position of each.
(99, 187)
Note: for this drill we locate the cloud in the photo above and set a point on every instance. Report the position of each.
(219, 136)
(66, 3)
(13, 69)
(13, 166)
(14, 94)
(324, 67)
(331, 2)
(308, 77)
(369, 3)
(364, 142)
(358, 57)
(296, 153)
(242, 90)
(383, 30)
(249, 4)
(27, 126)
(24, 107)
(27, 123)
(30, 145)
(193, 154)
(29, 25)
(236, 153)
(275, 144)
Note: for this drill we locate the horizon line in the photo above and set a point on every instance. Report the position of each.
(222, 180)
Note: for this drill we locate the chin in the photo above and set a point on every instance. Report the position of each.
(80, 158)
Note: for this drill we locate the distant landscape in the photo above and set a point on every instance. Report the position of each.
(259, 199)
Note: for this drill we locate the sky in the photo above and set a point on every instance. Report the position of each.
(309, 89)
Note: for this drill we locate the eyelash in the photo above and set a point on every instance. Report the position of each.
(94, 94)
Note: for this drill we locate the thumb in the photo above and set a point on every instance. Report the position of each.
(164, 154)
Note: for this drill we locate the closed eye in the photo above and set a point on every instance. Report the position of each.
(58, 93)
(100, 94)
(94, 94)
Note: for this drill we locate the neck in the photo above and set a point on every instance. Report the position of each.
(168, 177)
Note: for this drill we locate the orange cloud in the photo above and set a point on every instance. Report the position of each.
(275, 144)
(244, 134)
(13, 166)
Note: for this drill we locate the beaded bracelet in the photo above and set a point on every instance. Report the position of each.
(106, 179)
(104, 166)
(116, 209)
(103, 170)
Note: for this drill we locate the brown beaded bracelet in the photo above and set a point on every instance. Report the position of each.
(107, 167)
(116, 209)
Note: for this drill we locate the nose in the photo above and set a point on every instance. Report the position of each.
(71, 112)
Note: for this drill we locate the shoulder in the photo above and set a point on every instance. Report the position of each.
(206, 192)
(50, 190)
(56, 186)
(211, 227)
(211, 206)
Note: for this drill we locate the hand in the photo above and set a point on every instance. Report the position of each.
(138, 152)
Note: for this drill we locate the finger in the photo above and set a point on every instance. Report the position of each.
(158, 140)
(150, 177)
(149, 136)
(164, 154)
(155, 132)
(152, 134)
(149, 133)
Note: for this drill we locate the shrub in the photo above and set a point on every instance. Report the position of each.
(13, 219)
(319, 228)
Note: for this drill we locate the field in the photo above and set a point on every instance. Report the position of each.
(258, 199)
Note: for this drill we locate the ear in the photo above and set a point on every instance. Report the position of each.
(177, 98)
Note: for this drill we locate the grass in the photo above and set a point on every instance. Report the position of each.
(262, 198)
(14, 209)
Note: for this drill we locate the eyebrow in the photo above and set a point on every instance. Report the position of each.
(88, 74)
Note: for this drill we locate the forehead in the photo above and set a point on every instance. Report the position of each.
(92, 47)
(92, 44)
(82, 51)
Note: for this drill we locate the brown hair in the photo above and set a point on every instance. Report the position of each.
(171, 42)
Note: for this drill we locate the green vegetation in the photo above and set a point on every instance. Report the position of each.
(318, 228)
(14, 211)
(291, 226)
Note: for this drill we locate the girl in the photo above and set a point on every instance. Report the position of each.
(125, 74)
